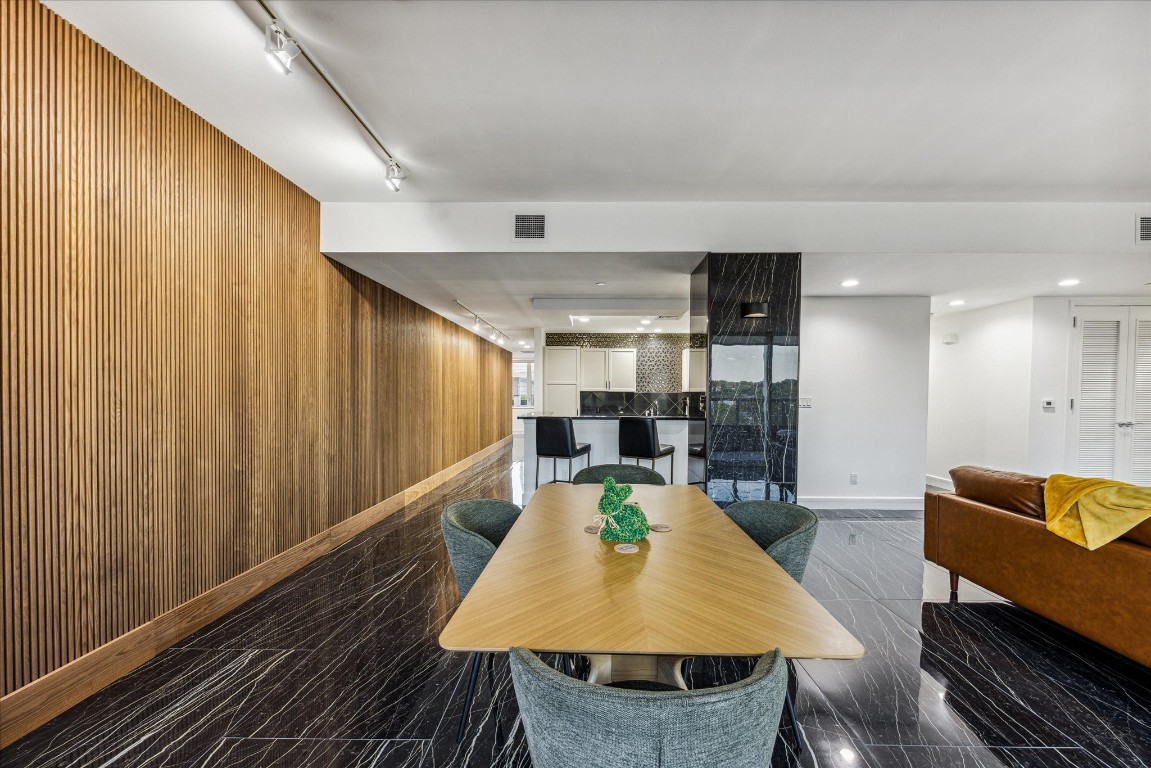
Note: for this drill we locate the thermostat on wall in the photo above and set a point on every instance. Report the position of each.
(1049, 405)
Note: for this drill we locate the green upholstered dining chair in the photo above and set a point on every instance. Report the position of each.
(785, 531)
(622, 473)
(472, 531)
(573, 724)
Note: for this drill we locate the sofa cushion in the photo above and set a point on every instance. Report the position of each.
(1140, 534)
(1012, 491)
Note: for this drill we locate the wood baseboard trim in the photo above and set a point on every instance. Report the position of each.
(27, 708)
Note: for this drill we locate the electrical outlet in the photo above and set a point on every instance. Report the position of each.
(853, 478)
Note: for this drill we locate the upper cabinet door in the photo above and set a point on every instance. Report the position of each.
(621, 370)
(695, 370)
(561, 365)
(593, 369)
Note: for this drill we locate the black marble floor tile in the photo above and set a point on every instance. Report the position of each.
(339, 665)
(319, 753)
(869, 514)
(826, 583)
(166, 713)
(979, 757)
(856, 551)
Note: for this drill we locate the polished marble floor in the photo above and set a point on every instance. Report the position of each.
(339, 666)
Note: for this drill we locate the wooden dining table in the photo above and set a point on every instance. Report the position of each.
(703, 588)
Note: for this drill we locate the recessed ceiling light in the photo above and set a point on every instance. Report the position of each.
(601, 285)
(1069, 282)
(527, 349)
(850, 283)
(583, 319)
(521, 342)
(956, 303)
(645, 322)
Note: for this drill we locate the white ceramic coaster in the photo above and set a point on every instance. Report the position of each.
(591, 529)
(626, 549)
(660, 527)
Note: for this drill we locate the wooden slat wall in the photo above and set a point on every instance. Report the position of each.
(189, 386)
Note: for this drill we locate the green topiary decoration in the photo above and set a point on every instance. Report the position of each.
(618, 521)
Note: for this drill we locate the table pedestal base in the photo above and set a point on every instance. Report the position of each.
(607, 668)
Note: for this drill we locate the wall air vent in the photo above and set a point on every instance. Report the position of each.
(1143, 230)
(530, 226)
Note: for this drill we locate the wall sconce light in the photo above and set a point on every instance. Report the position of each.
(753, 309)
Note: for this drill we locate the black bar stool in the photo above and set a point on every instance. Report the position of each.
(639, 439)
(697, 451)
(555, 439)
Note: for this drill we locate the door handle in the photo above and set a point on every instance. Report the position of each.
(1124, 423)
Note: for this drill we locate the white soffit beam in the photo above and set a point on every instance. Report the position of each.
(613, 307)
(736, 227)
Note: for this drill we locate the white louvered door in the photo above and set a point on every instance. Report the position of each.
(1111, 414)
(1139, 407)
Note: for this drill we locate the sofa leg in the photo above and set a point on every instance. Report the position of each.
(954, 582)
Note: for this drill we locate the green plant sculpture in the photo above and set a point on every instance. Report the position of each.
(619, 521)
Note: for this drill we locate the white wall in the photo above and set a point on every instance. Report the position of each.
(979, 389)
(1050, 352)
(864, 364)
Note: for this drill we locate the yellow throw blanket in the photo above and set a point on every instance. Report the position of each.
(1091, 511)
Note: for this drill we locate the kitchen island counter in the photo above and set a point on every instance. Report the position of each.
(602, 433)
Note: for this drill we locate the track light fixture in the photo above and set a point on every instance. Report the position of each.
(280, 47)
(395, 174)
(493, 333)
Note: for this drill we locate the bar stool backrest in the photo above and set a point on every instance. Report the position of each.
(555, 437)
(638, 436)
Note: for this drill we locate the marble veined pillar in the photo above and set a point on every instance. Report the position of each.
(753, 372)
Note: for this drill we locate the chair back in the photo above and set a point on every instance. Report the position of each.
(638, 436)
(555, 436)
(573, 724)
(785, 531)
(621, 473)
(472, 531)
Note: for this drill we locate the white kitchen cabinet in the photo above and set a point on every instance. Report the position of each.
(611, 370)
(621, 370)
(593, 369)
(695, 370)
(561, 400)
(561, 381)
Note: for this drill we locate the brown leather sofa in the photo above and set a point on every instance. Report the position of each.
(992, 531)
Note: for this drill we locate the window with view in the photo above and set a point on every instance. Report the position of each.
(523, 395)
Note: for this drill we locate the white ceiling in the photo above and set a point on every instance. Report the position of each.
(1010, 100)
(500, 287)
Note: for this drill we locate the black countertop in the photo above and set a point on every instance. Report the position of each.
(607, 416)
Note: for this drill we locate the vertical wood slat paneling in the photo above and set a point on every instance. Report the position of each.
(189, 387)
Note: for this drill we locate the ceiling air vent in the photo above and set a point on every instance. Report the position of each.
(530, 226)
(1143, 232)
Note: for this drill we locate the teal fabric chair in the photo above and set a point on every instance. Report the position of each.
(573, 724)
(472, 531)
(622, 473)
(785, 531)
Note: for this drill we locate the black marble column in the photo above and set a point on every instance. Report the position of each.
(753, 373)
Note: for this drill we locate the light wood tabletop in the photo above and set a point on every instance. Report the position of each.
(704, 588)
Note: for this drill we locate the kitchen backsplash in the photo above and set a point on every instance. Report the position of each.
(658, 357)
(689, 404)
